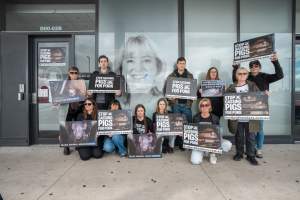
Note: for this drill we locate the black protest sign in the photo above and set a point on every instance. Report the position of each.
(212, 88)
(105, 84)
(202, 137)
(67, 91)
(254, 48)
(144, 145)
(78, 133)
(182, 88)
(170, 124)
(246, 106)
(114, 122)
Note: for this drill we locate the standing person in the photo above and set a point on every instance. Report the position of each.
(111, 143)
(162, 109)
(206, 116)
(217, 102)
(263, 80)
(243, 128)
(73, 109)
(90, 113)
(182, 106)
(103, 99)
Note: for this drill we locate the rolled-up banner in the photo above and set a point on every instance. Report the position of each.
(212, 88)
(202, 137)
(105, 84)
(114, 122)
(144, 145)
(78, 133)
(254, 48)
(182, 88)
(246, 106)
(67, 91)
(170, 124)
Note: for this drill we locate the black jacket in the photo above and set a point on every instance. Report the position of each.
(212, 118)
(186, 74)
(108, 96)
(263, 80)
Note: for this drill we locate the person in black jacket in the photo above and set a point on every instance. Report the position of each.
(90, 113)
(262, 80)
(217, 102)
(141, 123)
(103, 99)
(73, 108)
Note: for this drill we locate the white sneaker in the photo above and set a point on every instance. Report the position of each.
(213, 158)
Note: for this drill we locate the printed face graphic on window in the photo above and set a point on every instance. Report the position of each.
(140, 67)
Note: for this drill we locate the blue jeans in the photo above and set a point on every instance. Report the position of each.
(183, 109)
(110, 144)
(260, 136)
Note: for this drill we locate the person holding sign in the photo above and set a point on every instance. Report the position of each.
(182, 106)
(217, 102)
(73, 109)
(103, 99)
(162, 109)
(243, 128)
(90, 113)
(115, 141)
(263, 80)
(205, 116)
(141, 123)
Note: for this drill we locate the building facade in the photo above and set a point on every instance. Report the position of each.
(156, 33)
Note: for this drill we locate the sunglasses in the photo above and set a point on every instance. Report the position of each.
(242, 74)
(73, 72)
(204, 105)
(88, 104)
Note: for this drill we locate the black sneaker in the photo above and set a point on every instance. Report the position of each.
(238, 157)
(164, 149)
(252, 160)
(67, 151)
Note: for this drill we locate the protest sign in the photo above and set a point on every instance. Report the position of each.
(78, 133)
(114, 122)
(170, 124)
(212, 88)
(246, 106)
(67, 91)
(182, 88)
(144, 145)
(254, 48)
(202, 137)
(104, 84)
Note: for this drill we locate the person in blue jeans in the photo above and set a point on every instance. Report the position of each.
(115, 142)
(182, 106)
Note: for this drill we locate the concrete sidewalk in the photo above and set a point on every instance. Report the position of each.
(43, 172)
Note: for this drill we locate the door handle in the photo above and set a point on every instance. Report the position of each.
(33, 98)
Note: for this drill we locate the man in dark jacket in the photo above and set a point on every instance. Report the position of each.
(263, 80)
(182, 106)
(103, 99)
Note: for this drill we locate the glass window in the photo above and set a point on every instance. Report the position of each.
(210, 31)
(85, 53)
(260, 18)
(50, 17)
(141, 39)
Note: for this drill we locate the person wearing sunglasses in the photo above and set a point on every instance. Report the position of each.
(205, 116)
(243, 128)
(90, 113)
(263, 81)
(73, 109)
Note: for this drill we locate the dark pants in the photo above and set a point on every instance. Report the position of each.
(85, 153)
(241, 133)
